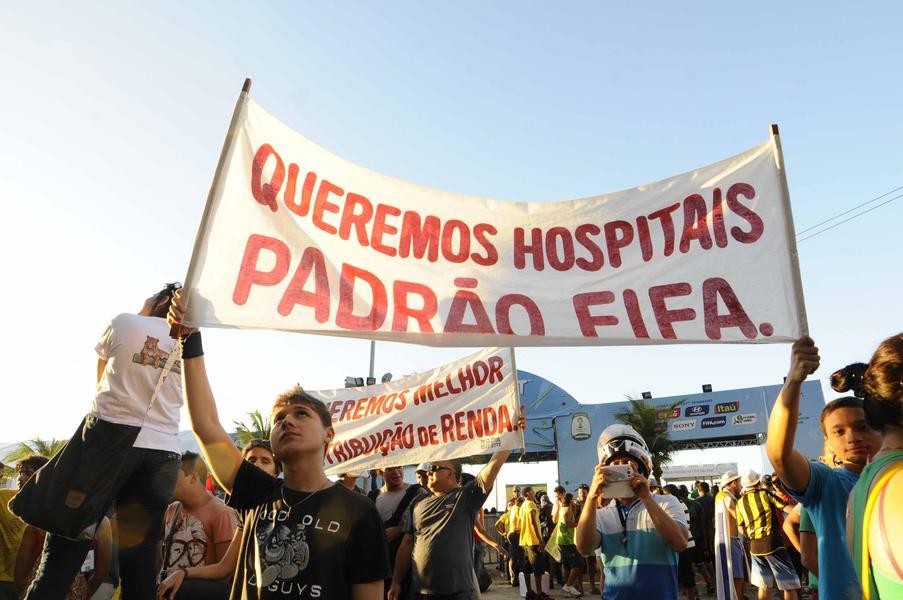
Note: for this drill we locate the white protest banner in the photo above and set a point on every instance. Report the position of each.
(295, 238)
(463, 408)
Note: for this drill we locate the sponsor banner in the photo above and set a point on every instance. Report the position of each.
(726, 407)
(744, 419)
(463, 408)
(685, 425)
(714, 422)
(296, 238)
(697, 410)
(665, 413)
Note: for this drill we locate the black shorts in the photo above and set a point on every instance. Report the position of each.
(570, 559)
(686, 577)
(696, 555)
(534, 560)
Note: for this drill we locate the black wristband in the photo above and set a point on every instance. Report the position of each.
(191, 346)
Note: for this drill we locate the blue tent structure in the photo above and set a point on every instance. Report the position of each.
(562, 429)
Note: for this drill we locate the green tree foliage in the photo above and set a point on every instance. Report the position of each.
(36, 446)
(643, 416)
(258, 427)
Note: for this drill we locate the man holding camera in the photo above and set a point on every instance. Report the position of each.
(641, 533)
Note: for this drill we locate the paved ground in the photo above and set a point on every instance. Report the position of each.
(502, 590)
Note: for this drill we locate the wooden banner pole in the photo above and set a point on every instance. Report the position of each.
(216, 187)
(791, 232)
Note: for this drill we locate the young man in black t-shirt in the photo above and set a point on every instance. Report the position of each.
(305, 537)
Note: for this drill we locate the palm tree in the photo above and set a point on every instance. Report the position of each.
(644, 417)
(258, 428)
(36, 446)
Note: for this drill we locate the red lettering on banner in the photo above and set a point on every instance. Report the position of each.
(402, 311)
(447, 423)
(248, 274)
(346, 409)
(448, 235)
(736, 316)
(480, 231)
(358, 220)
(423, 394)
(618, 234)
(358, 408)
(566, 260)
(756, 226)
(345, 318)
(419, 240)
(451, 388)
(438, 392)
(480, 372)
(642, 228)
(504, 419)
(319, 300)
(381, 228)
(521, 248)
(695, 224)
(583, 233)
(503, 314)
(322, 205)
(718, 219)
(663, 315)
(667, 224)
(310, 180)
(461, 300)
(634, 315)
(265, 193)
(495, 368)
(588, 322)
(461, 425)
(475, 422)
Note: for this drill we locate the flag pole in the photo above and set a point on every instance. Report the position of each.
(213, 196)
(791, 231)
(523, 442)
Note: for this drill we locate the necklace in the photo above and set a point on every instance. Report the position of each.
(302, 500)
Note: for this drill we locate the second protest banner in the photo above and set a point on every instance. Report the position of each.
(464, 408)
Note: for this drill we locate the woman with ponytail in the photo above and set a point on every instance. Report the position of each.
(875, 522)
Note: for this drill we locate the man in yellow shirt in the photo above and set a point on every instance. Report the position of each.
(531, 542)
(11, 530)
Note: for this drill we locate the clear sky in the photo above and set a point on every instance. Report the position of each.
(114, 114)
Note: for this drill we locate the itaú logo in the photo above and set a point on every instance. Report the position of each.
(726, 407)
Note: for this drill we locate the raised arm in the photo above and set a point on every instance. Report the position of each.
(219, 451)
(791, 466)
(492, 468)
(586, 536)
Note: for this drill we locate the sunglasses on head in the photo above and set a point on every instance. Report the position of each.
(437, 468)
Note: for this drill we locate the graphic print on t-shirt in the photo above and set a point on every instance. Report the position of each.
(151, 355)
(283, 552)
(189, 544)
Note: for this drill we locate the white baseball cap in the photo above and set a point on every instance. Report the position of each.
(423, 467)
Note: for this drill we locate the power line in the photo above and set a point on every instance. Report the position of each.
(849, 218)
(799, 233)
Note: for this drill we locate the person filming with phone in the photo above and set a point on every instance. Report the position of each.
(640, 534)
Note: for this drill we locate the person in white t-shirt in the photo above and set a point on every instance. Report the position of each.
(131, 354)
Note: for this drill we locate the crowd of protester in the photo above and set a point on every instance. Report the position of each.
(264, 521)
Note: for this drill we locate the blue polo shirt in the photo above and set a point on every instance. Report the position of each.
(639, 565)
(825, 500)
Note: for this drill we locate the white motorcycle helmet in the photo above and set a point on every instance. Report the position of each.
(622, 440)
